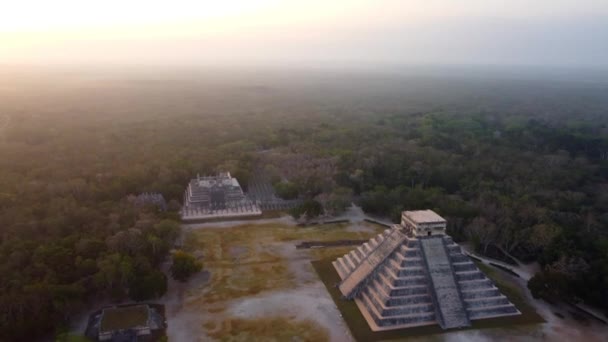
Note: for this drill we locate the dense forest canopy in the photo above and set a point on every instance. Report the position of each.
(514, 163)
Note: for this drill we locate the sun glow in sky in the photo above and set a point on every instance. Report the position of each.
(178, 31)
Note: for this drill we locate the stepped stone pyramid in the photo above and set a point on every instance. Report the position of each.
(414, 274)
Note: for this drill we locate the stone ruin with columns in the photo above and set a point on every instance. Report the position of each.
(413, 274)
(217, 197)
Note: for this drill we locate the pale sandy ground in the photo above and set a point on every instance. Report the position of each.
(184, 321)
(309, 301)
(286, 220)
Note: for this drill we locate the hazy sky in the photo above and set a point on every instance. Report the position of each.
(308, 33)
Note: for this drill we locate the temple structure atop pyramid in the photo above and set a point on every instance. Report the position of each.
(414, 274)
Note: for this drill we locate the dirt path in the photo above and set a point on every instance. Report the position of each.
(183, 323)
(286, 220)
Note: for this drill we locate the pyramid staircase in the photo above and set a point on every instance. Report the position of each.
(400, 281)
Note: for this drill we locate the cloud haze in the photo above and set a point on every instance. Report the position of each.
(312, 33)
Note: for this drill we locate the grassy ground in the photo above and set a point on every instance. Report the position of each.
(269, 329)
(71, 338)
(244, 260)
(254, 259)
(218, 245)
(361, 331)
(124, 317)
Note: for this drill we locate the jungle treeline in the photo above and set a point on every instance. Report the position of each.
(515, 165)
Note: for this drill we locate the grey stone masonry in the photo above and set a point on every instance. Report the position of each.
(400, 280)
(384, 246)
(449, 306)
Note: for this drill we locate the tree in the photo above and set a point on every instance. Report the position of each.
(287, 190)
(148, 286)
(338, 200)
(482, 233)
(309, 208)
(184, 265)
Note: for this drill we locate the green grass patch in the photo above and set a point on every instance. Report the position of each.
(361, 331)
(248, 259)
(124, 317)
(268, 329)
(216, 244)
(72, 338)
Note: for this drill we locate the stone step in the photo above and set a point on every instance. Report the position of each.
(411, 299)
(453, 249)
(397, 257)
(483, 293)
(367, 248)
(361, 251)
(373, 243)
(459, 257)
(409, 262)
(375, 299)
(469, 275)
(413, 243)
(411, 271)
(403, 271)
(412, 253)
(383, 290)
(355, 257)
(394, 310)
(407, 249)
(409, 290)
(407, 281)
(350, 262)
(408, 310)
(340, 269)
(395, 273)
(478, 284)
(467, 262)
(345, 265)
(492, 311)
(388, 274)
(371, 309)
(394, 265)
(464, 266)
(390, 289)
(415, 318)
(486, 302)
